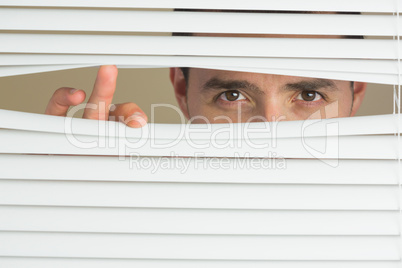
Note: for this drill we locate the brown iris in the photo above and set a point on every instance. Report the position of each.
(308, 95)
(232, 95)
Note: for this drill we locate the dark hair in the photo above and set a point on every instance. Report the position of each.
(186, 70)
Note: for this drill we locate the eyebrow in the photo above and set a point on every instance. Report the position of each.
(308, 85)
(218, 84)
(311, 85)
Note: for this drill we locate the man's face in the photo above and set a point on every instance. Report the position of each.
(215, 96)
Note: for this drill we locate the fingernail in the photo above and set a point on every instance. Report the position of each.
(139, 117)
(72, 91)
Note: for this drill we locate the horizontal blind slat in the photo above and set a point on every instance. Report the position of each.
(129, 263)
(187, 221)
(265, 171)
(349, 126)
(20, 70)
(343, 147)
(198, 46)
(196, 22)
(198, 195)
(347, 76)
(199, 247)
(333, 65)
(313, 5)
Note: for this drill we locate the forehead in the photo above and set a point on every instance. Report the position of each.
(200, 77)
(207, 74)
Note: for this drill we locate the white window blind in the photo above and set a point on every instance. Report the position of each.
(368, 60)
(108, 211)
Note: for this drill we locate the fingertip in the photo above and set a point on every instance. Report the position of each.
(135, 124)
(77, 96)
(62, 99)
(108, 71)
(105, 85)
(129, 113)
(137, 120)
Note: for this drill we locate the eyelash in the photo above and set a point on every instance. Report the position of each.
(235, 102)
(228, 102)
(322, 95)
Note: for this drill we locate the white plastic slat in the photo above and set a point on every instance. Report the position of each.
(19, 70)
(347, 76)
(199, 247)
(199, 195)
(333, 65)
(129, 263)
(320, 138)
(201, 170)
(198, 46)
(361, 77)
(349, 126)
(343, 147)
(381, 124)
(187, 221)
(196, 22)
(309, 5)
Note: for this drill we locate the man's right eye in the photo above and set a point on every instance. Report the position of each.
(309, 96)
(232, 95)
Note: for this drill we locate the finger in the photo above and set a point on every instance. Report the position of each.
(128, 113)
(62, 99)
(102, 94)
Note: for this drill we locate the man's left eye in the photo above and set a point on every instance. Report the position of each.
(309, 96)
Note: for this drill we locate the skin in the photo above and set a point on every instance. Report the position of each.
(102, 93)
(263, 97)
(214, 96)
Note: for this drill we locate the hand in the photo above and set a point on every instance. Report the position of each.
(99, 106)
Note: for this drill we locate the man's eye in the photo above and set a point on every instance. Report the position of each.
(232, 95)
(309, 96)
